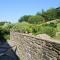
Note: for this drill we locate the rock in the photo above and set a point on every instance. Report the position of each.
(43, 36)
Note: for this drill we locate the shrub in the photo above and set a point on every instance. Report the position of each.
(58, 27)
(35, 28)
(5, 31)
(22, 27)
(47, 29)
(36, 20)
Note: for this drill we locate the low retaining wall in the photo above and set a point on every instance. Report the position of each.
(33, 48)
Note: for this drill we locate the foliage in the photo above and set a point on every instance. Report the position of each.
(40, 17)
(23, 27)
(5, 31)
(58, 32)
(2, 23)
(58, 27)
(2, 34)
(24, 18)
(50, 14)
(35, 29)
(36, 20)
(49, 30)
(47, 22)
(7, 27)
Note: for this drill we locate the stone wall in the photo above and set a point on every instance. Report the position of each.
(33, 48)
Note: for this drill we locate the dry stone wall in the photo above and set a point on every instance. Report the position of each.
(33, 48)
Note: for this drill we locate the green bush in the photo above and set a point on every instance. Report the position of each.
(7, 37)
(36, 20)
(50, 31)
(35, 28)
(58, 27)
(22, 27)
(5, 31)
(47, 29)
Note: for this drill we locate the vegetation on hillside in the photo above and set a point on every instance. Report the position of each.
(49, 15)
(5, 30)
(45, 22)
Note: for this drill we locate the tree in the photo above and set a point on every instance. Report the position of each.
(58, 12)
(24, 18)
(36, 19)
(50, 14)
(43, 14)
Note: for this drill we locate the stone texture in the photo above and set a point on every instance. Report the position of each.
(33, 48)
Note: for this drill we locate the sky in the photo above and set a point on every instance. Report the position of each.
(12, 10)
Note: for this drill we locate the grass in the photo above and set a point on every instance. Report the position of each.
(58, 30)
(58, 27)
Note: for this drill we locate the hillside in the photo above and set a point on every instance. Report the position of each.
(44, 22)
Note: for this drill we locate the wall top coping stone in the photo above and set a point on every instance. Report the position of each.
(28, 35)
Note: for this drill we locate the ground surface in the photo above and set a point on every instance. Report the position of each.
(6, 53)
